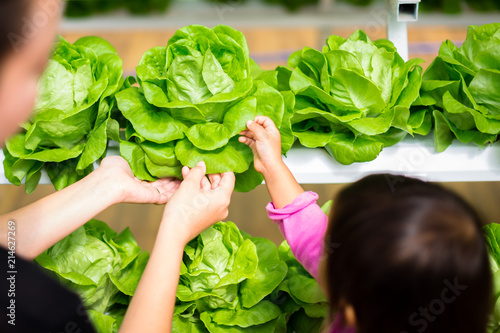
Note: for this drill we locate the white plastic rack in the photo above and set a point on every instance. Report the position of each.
(411, 157)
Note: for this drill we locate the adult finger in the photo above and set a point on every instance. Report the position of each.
(185, 172)
(205, 184)
(162, 181)
(215, 180)
(168, 186)
(197, 174)
(227, 182)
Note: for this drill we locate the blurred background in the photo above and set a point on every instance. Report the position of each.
(274, 29)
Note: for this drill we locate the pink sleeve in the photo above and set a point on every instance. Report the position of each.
(303, 224)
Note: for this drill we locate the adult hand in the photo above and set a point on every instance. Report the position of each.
(116, 173)
(198, 203)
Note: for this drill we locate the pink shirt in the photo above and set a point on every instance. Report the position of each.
(304, 225)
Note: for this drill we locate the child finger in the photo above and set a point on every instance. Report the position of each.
(245, 133)
(258, 132)
(250, 134)
(266, 122)
(246, 140)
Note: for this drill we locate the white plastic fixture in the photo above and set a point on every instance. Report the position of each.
(414, 157)
(399, 13)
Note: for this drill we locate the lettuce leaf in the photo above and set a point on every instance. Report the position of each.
(71, 122)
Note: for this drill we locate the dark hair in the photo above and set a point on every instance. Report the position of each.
(11, 13)
(412, 258)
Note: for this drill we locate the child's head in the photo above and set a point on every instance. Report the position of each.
(410, 257)
(27, 32)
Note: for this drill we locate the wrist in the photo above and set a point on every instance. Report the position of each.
(174, 226)
(111, 190)
(271, 169)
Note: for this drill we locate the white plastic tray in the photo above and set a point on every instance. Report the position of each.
(411, 157)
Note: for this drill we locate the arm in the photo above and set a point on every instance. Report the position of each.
(196, 206)
(45, 222)
(299, 218)
(304, 225)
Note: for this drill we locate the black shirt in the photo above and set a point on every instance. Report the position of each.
(36, 303)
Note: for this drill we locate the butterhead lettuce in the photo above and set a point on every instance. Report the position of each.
(103, 267)
(195, 96)
(461, 86)
(71, 122)
(232, 282)
(354, 97)
(229, 281)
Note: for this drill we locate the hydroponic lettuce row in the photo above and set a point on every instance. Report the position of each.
(230, 282)
(71, 122)
(461, 89)
(104, 268)
(456, 6)
(88, 7)
(354, 97)
(195, 96)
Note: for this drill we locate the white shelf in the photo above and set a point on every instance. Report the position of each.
(412, 157)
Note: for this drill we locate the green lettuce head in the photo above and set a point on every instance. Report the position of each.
(102, 267)
(231, 282)
(195, 96)
(461, 86)
(71, 122)
(354, 97)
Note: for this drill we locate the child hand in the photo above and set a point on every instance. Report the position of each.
(265, 140)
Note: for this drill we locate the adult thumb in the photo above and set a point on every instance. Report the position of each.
(197, 173)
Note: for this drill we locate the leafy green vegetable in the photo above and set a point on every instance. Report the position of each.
(460, 89)
(492, 236)
(229, 281)
(447, 6)
(226, 280)
(354, 97)
(76, 8)
(196, 95)
(300, 296)
(236, 283)
(103, 267)
(293, 5)
(69, 129)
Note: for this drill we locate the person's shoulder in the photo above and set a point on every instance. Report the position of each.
(36, 302)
